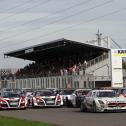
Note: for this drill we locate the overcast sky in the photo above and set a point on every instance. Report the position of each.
(24, 23)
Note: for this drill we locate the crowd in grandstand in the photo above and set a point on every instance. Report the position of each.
(7, 73)
(69, 65)
(54, 67)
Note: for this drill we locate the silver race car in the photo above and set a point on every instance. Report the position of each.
(102, 100)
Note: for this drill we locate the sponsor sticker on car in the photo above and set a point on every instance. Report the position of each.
(13, 103)
(50, 102)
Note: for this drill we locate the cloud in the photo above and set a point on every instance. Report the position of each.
(14, 34)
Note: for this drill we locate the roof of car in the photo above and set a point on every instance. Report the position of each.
(83, 89)
(42, 90)
(101, 90)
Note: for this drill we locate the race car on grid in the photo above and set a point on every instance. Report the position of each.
(103, 100)
(67, 96)
(11, 100)
(78, 96)
(46, 97)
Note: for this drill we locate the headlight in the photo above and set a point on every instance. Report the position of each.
(23, 101)
(2, 102)
(38, 100)
(101, 102)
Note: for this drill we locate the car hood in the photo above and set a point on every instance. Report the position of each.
(45, 97)
(10, 99)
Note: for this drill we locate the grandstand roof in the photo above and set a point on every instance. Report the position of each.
(57, 48)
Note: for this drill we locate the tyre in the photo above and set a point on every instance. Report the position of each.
(94, 109)
(28, 104)
(67, 102)
(33, 106)
(24, 108)
(83, 107)
(60, 106)
(78, 103)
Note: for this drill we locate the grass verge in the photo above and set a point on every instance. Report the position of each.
(9, 121)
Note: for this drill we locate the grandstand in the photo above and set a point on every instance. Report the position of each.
(63, 62)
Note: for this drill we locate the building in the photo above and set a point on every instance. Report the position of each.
(101, 65)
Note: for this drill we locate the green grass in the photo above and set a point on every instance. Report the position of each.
(9, 121)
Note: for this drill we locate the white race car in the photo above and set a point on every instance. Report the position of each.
(45, 98)
(102, 100)
(10, 100)
(67, 96)
(78, 96)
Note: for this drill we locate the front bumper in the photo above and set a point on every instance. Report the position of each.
(106, 108)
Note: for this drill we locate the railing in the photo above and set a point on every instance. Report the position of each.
(102, 78)
(75, 81)
(97, 60)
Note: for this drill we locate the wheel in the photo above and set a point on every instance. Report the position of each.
(24, 108)
(94, 107)
(77, 103)
(83, 107)
(67, 102)
(33, 106)
(28, 104)
(60, 106)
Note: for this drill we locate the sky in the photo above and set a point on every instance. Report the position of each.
(25, 23)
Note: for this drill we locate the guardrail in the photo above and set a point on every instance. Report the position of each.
(97, 60)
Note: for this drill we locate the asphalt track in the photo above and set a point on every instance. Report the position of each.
(69, 117)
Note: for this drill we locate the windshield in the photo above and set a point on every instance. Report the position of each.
(44, 93)
(82, 92)
(10, 95)
(123, 92)
(106, 94)
(66, 92)
(7, 90)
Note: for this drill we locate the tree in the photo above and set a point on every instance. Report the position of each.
(124, 65)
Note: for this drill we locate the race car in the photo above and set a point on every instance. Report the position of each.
(10, 100)
(103, 100)
(122, 92)
(67, 95)
(46, 97)
(78, 96)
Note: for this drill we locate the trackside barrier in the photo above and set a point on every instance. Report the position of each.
(74, 81)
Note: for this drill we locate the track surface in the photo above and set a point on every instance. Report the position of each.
(68, 117)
